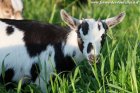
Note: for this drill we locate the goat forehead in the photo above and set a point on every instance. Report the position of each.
(92, 25)
(85, 26)
(93, 37)
(90, 21)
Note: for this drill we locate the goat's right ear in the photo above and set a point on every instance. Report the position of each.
(70, 21)
(111, 22)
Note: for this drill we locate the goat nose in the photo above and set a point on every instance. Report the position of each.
(91, 58)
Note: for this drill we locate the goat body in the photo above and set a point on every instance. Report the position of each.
(26, 44)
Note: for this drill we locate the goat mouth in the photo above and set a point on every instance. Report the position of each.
(90, 62)
(93, 60)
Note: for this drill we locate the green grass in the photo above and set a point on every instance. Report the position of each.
(119, 67)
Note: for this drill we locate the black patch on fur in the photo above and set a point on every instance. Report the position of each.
(37, 35)
(7, 79)
(80, 41)
(81, 44)
(99, 27)
(79, 27)
(74, 53)
(85, 27)
(9, 73)
(35, 71)
(78, 31)
(9, 30)
(89, 47)
(103, 39)
(104, 25)
(63, 64)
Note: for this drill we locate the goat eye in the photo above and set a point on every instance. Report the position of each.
(99, 27)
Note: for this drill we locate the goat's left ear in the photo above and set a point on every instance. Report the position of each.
(69, 20)
(111, 22)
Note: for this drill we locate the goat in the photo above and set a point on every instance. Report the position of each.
(32, 49)
(11, 9)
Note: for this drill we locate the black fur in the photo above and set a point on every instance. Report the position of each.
(104, 26)
(38, 36)
(89, 47)
(7, 78)
(74, 53)
(99, 27)
(103, 39)
(104, 35)
(35, 71)
(81, 44)
(80, 41)
(9, 30)
(85, 27)
(63, 63)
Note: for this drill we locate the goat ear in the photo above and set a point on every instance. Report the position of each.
(17, 5)
(70, 21)
(111, 22)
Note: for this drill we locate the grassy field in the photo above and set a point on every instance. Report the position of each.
(119, 67)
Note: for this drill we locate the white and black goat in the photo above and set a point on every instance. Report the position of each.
(25, 44)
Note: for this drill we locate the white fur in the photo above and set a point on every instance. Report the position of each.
(93, 36)
(18, 58)
(13, 40)
(17, 5)
(13, 46)
(72, 46)
(48, 67)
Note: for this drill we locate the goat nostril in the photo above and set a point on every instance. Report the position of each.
(91, 57)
